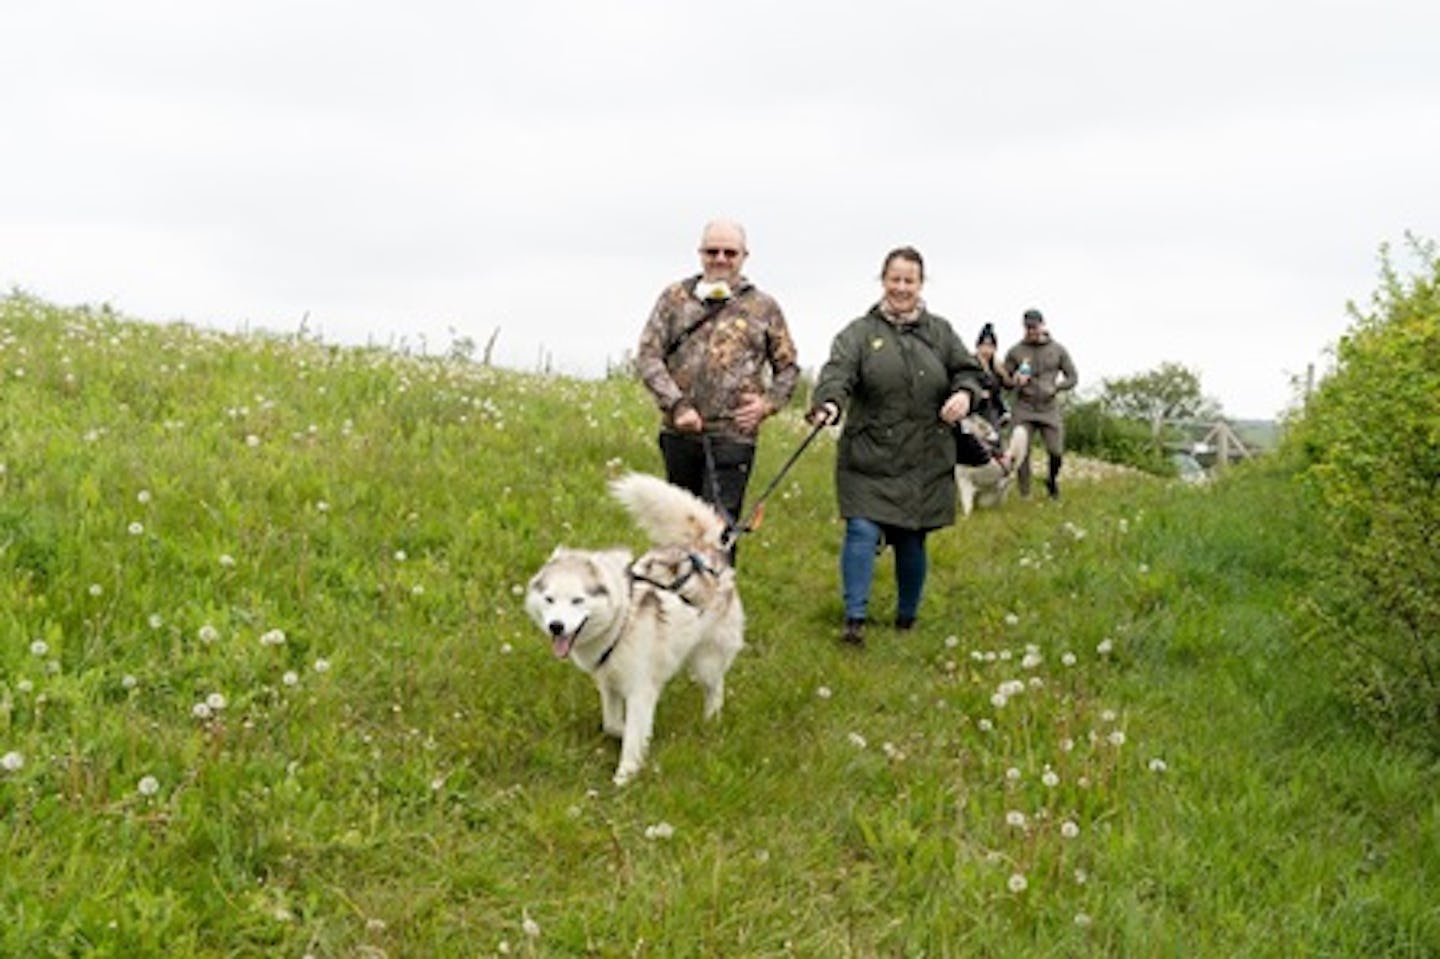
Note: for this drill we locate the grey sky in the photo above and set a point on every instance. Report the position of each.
(1205, 184)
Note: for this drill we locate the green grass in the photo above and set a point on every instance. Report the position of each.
(409, 773)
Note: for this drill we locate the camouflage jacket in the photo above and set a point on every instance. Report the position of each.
(743, 348)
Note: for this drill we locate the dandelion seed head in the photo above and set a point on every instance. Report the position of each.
(148, 786)
(39, 648)
(207, 633)
(24, 686)
(226, 560)
(856, 740)
(143, 496)
(823, 692)
(661, 830)
(1011, 619)
(1067, 659)
(322, 665)
(1158, 765)
(1015, 819)
(1050, 778)
(291, 678)
(1116, 737)
(216, 701)
(135, 529)
(1069, 829)
(1017, 883)
(12, 761)
(129, 682)
(1105, 646)
(201, 710)
(1082, 919)
(96, 589)
(155, 620)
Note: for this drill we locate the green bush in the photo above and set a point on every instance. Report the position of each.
(1092, 431)
(1369, 439)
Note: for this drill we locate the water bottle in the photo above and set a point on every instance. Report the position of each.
(1024, 367)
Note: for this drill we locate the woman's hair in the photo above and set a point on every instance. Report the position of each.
(904, 253)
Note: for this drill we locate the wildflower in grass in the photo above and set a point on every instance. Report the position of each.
(1031, 660)
(856, 740)
(24, 686)
(12, 761)
(892, 752)
(1017, 883)
(823, 692)
(506, 649)
(202, 710)
(322, 507)
(1067, 659)
(1050, 777)
(1116, 737)
(39, 648)
(322, 665)
(136, 528)
(661, 830)
(1082, 920)
(1069, 829)
(1157, 765)
(148, 786)
(998, 700)
(1107, 715)
(374, 925)
(401, 556)
(96, 589)
(517, 590)
(984, 725)
(291, 678)
(226, 560)
(417, 590)
(207, 633)
(1081, 877)
(952, 641)
(251, 440)
(155, 620)
(1144, 568)
(143, 496)
(1015, 819)
(1067, 745)
(1105, 646)
(128, 682)
(272, 637)
(216, 701)
(1012, 619)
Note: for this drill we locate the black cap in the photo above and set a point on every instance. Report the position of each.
(1033, 318)
(987, 335)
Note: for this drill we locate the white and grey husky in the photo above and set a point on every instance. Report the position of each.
(632, 624)
(988, 485)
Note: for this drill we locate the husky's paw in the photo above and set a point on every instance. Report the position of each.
(624, 775)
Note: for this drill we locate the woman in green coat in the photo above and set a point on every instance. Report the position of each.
(902, 377)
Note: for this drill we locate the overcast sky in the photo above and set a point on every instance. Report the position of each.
(1207, 184)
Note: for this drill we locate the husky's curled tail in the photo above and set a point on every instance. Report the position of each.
(669, 515)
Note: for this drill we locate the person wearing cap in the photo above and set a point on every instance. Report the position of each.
(902, 377)
(717, 356)
(1040, 369)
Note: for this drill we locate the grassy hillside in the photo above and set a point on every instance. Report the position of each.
(266, 689)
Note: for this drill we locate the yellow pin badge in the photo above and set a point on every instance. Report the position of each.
(877, 343)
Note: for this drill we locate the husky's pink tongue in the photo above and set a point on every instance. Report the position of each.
(561, 646)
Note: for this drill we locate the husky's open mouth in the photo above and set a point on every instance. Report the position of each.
(562, 642)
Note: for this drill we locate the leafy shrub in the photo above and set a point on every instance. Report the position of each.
(1369, 439)
(1092, 431)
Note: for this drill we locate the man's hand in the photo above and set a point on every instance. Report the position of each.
(751, 412)
(955, 408)
(688, 420)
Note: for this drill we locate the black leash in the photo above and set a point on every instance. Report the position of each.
(757, 513)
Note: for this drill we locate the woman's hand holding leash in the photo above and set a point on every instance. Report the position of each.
(955, 408)
(826, 414)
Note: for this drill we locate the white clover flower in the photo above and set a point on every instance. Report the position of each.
(1017, 883)
(143, 496)
(1105, 646)
(272, 637)
(291, 678)
(216, 701)
(207, 633)
(12, 761)
(252, 441)
(322, 665)
(1011, 619)
(823, 692)
(1069, 829)
(1031, 661)
(39, 648)
(856, 740)
(201, 711)
(1158, 765)
(984, 725)
(136, 528)
(148, 786)
(226, 560)
(1067, 659)
(1050, 778)
(401, 556)
(155, 620)
(96, 589)
(1116, 737)
(1015, 819)
(661, 830)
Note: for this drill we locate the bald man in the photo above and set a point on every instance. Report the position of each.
(718, 358)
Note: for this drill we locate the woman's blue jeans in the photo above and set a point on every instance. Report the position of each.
(857, 566)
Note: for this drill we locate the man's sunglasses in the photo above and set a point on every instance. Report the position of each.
(726, 252)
